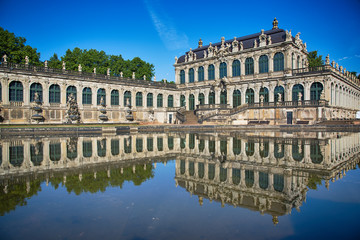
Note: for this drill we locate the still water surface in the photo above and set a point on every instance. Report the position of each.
(181, 186)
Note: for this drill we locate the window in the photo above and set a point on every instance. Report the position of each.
(86, 98)
(263, 64)
(101, 147)
(36, 154)
(263, 180)
(115, 98)
(201, 74)
(171, 143)
(127, 98)
(212, 98)
(191, 102)
(201, 99)
(159, 100)
(297, 89)
(182, 101)
(149, 100)
(160, 144)
(139, 145)
(315, 91)
(236, 68)
(191, 75)
(101, 95)
(249, 178)
(127, 145)
(223, 70)
(182, 77)
(71, 90)
(236, 146)
(115, 147)
(55, 151)
(278, 62)
(249, 96)
(265, 93)
(279, 92)
(236, 98)
(15, 91)
(139, 100)
(150, 144)
(87, 149)
(54, 94)
(249, 66)
(16, 157)
(223, 97)
(278, 182)
(211, 72)
(0, 95)
(170, 101)
(35, 88)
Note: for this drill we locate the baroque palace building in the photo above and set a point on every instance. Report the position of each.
(263, 78)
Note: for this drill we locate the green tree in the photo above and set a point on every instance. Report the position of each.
(15, 49)
(54, 62)
(315, 60)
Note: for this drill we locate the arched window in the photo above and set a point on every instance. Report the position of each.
(170, 143)
(223, 147)
(139, 144)
(160, 144)
(236, 68)
(278, 182)
(191, 168)
(191, 75)
(149, 100)
(139, 99)
(15, 91)
(211, 171)
(236, 98)
(212, 146)
(263, 64)
(182, 101)
(150, 144)
(86, 96)
(36, 153)
(191, 141)
(297, 89)
(315, 153)
(249, 148)
(249, 66)
(279, 150)
(115, 98)
(278, 62)
(279, 92)
(265, 93)
(297, 151)
(201, 170)
(264, 149)
(101, 94)
(127, 144)
(115, 147)
(35, 88)
(223, 97)
(16, 155)
(249, 178)
(159, 100)
(201, 145)
(127, 98)
(236, 146)
(71, 150)
(71, 90)
(170, 101)
(223, 70)
(211, 72)
(101, 147)
(182, 77)
(201, 99)
(212, 98)
(263, 180)
(201, 74)
(249, 96)
(55, 151)
(87, 149)
(54, 93)
(191, 102)
(315, 91)
(236, 176)
(223, 174)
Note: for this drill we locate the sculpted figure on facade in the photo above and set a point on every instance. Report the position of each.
(4, 58)
(205, 54)
(26, 60)
(235, 45)
(288, 35)
(269, 40)
(327, 60)
(262, 38)
(63, 65)
(176, 59)
(46, 63)
(80, 68)
(241, 46)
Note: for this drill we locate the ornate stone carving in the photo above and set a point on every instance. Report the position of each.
(275, 24)
(262, 38)
(327, 60)
(200, 43)
(235, 45)
(4, 58)
(26, 60)
(72, 114)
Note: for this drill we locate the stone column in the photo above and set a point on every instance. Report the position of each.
(271, 88)
(94, 96)
(230, 94)
(26, 92)
(5, 91)
(63, 94)
(242, 66)
(256, 64)
(243, 93)
(45, 99)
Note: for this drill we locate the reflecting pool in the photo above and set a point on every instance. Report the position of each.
(229, 185)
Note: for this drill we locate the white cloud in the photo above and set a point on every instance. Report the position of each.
(171, 37)
(344, 58)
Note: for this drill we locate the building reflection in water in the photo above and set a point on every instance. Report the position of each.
(270, 173)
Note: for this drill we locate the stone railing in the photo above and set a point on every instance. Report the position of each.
(80, 74)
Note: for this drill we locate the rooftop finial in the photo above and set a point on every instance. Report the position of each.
(200, 43)
(275, 24)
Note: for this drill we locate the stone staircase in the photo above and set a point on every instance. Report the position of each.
(190, 117)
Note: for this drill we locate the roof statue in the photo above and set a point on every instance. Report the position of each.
(275, 24)
(200, 43)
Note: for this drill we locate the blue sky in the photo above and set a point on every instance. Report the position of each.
(159, 30)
